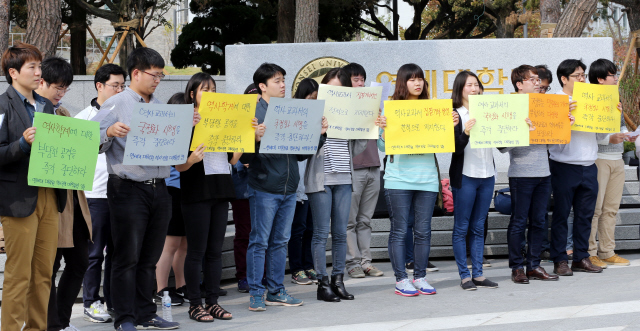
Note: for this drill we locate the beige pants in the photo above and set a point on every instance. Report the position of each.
(610, 186)
(31, 244)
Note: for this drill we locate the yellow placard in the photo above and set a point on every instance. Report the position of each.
(225, 125)
(597, 108)
(500, 120)
(419, 126)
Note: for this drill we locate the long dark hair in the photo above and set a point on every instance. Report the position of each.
(406, 72)
(177, 99)
(194, 84)
(458, 86)
(343, 76)
(305, 88)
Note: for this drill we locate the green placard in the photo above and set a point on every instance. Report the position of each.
(64, 153)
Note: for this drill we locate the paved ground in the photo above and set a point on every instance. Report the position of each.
(608, 301)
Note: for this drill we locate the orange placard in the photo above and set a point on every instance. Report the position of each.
(550, 115)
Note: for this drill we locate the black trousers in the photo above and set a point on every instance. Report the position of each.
(140, 215)
(206, 224)
(300, 255)
(76, 261)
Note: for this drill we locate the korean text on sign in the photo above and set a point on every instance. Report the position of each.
(64, 153)
(293, 126)
(500, 120)
(550, 116)
(597, 108)
(351, 111)
(225, 125)
(159, 135)
(419, 126)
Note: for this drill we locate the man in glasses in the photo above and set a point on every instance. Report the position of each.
(574, 180)
(530, 186)
(109, 80)
(546, 78)
(611, 177)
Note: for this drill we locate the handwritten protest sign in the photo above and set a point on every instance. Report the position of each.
(159, 135)
(386, 92)
(293, 126)
(500, 120)
(419, 126)
(550, 116)
(64, 153)
(597, 108)
(226, 123)
(351, 111)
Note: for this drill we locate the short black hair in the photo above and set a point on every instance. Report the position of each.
(144, 58)
(355, 69)
(305, 88)
(601, 68)
(56, 70)
(567, 67)
(341, 74)
(544, 73)
(251, 89)
(177, 99)
(265, 72)
(522, 73)
(16, 56)
(194, 84)
(103, 74)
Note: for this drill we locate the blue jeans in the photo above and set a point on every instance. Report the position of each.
(330, 211)
(271, 218)
(529, 198)
(408, 242)
(471, 204)
(399, 203)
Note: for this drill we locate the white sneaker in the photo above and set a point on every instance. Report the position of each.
(70, 328)
(96, 313)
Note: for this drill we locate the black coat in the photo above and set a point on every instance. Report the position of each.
(17, 198)
(457, 158)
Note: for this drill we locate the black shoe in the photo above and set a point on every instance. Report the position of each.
(324, 291)
(468, 286)
(431, 267)
(485, 283)
(175, 300)
(222, 292)
(182, 293)
(337, 285)
(410, 267)
(545, 256)
(485, 263)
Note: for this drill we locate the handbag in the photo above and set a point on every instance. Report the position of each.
(502, 201)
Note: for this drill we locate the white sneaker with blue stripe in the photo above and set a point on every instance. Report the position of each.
(405, 288)
(423, 286)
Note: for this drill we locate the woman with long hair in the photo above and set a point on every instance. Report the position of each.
(411, 183)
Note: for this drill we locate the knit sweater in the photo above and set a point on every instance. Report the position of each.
(528, 161)
(607, 150)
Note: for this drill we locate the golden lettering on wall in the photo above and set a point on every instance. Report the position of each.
(486, 76)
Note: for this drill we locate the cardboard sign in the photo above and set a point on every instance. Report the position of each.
(293, 126)
(419, 126)
(351, 111)
(64, 153)
(225, 124)
(500, 120)
(550, 116)
(159, 135)
(597, 108)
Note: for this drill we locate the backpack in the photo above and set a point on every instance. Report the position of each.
(447, 197)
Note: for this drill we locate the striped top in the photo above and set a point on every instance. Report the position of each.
(336, 156)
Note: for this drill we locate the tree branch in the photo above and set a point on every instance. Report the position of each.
(379, 25)
(109, 15)
(362, 20)
(484, 33)
(372, 33)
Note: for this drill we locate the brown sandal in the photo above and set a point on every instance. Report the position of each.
(218, 312)
(199, 313)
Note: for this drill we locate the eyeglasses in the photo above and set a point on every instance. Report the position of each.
(157, 77)
(545, 89)
(534, 80)
(614, 76)
(583, 76)
(62, 90)
(117, 87)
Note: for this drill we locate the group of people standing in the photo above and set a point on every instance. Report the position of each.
(151, 219)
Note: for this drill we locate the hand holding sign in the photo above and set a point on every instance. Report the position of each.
(293, 126)
(549, 113)
(500, 120)
(596, 109)
(351, 111)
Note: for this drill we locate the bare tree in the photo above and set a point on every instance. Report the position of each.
(286, 20)
(43, 25)
(632, 7)
(575, 18)
(4, 26)
(307, 15)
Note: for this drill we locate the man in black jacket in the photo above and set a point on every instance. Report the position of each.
(29, 214)
(273, 180)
